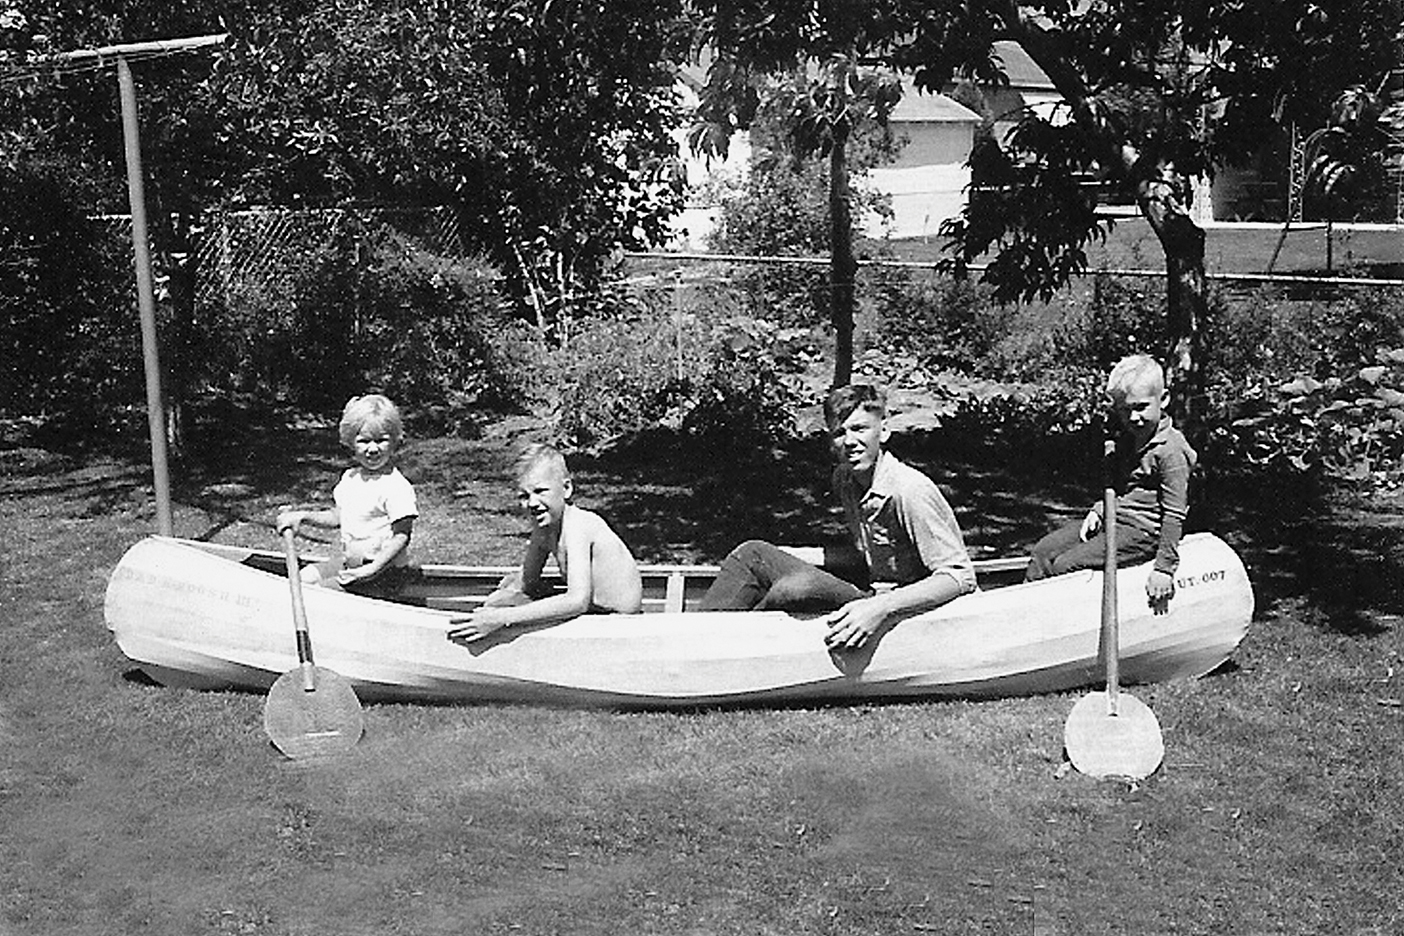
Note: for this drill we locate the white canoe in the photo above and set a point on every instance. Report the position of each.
(208, 616)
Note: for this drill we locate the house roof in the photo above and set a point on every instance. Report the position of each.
(923, 107)
(1023, 73)
(915, 106)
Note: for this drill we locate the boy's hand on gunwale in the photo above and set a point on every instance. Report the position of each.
(852, 625)
(1160, 588)
(349, 576)
(477, 625)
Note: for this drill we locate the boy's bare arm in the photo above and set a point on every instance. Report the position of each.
(576, 548)
(400, 533)
(326, 517)
(533, 563)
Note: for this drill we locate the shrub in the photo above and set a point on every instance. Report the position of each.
(1310, 385)
(947, 324)
(352, 310)
(956, 325)
(714, 380)
(1349, 427)
(69, 332)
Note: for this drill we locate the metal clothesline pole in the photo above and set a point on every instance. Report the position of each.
(141, 246)
(146, 302)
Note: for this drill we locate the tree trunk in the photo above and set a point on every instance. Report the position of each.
(1186, 293)
(843, 266)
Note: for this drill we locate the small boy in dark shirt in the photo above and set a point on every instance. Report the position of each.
(1152, 470)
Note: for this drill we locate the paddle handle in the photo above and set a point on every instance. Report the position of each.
(304, 639)
(1111, 652)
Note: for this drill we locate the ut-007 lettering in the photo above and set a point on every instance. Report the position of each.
(1216, 575)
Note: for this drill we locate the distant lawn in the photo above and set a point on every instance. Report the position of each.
(1239, 248)
(128, 807)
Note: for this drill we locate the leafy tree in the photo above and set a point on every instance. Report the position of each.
(545, 124)
(822, 47)
(1360, 151)
(59, 332)
(67, 117)
(1154, 94)
(782, 206)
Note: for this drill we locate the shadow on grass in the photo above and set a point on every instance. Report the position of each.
(1341, 551)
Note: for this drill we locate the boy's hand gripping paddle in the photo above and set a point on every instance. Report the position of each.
(310, 711)
(1111, 734)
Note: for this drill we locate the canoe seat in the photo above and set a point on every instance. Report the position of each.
(672, 601)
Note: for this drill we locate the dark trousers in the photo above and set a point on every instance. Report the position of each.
(1064, 551)
(389, 585)
(758, 576)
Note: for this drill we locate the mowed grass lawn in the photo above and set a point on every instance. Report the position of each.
(1306, 249)
(128, 808)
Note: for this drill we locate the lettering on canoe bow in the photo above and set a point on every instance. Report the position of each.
(184, 586)
(1217, 575)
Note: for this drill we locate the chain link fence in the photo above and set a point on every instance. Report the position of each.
(250, 249)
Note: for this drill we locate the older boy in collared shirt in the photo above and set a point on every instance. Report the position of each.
(905, 537)
(1152, 466)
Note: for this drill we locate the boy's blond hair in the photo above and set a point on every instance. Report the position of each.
(1132, 371)
(541, 454)
(371, 409)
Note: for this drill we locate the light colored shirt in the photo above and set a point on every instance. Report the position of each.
(902, 525)
(369, 506)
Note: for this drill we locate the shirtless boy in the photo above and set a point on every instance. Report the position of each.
(599, 571)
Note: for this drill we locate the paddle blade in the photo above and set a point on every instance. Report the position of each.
(1100, 744)
(323, 722)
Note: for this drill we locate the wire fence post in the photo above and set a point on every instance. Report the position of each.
(678, 318)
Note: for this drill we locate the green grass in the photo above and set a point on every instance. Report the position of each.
(128, 807)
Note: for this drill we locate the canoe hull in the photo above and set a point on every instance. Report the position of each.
(192, 616)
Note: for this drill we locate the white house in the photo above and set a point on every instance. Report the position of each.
(927, 182)
(706, 179)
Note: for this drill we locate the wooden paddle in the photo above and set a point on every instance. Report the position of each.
(1111, 734)
(310, 711)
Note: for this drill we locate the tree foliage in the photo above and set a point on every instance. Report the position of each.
(60, 119)
(782, 207)
(818, 50)
(1154, 95)
(1358, 156)
(58, 272)
(546, 124)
